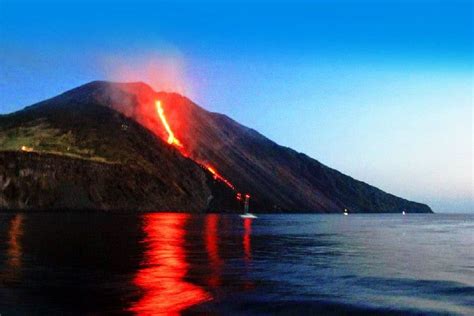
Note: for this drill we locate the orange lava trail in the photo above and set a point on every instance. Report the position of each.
(172, 140)
(217, 176)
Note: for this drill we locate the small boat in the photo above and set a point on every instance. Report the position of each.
(346, 212)
(246, 209)
(403, 213)
(248, 215)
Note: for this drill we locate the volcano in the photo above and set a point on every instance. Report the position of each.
(110, 146)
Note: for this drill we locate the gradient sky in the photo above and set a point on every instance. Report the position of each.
(380, 90)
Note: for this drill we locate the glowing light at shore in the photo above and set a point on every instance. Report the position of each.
(26, 149)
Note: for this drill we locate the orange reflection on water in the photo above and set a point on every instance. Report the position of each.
(163, 277)
(212, 248)
(248, 285)
(14, 247)
(246, 240)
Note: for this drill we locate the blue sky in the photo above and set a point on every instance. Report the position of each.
(381, 90)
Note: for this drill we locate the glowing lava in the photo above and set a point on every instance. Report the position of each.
(217, 176)
(172, 140)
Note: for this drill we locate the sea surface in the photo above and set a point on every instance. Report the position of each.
(169, 263)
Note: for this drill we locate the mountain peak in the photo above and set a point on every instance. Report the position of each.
(277, 178)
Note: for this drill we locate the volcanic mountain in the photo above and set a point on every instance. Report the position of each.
(110, 145)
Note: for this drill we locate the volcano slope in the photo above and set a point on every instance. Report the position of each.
(96, 123)
(85, 156)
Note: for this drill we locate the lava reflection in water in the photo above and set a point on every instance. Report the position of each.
(162, 278)
(14, 247)
(246, 241)
(11, 272)
(212, 248)
(247, 249)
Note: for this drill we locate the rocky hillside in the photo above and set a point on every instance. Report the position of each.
(72, 155)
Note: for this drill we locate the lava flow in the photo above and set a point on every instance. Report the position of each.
(172, 140)
(217, 176)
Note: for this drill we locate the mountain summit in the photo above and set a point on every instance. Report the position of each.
(163, 152)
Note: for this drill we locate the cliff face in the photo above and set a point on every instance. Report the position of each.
(33, 181)
(85, 123)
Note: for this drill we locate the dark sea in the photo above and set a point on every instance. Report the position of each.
(171, 264)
